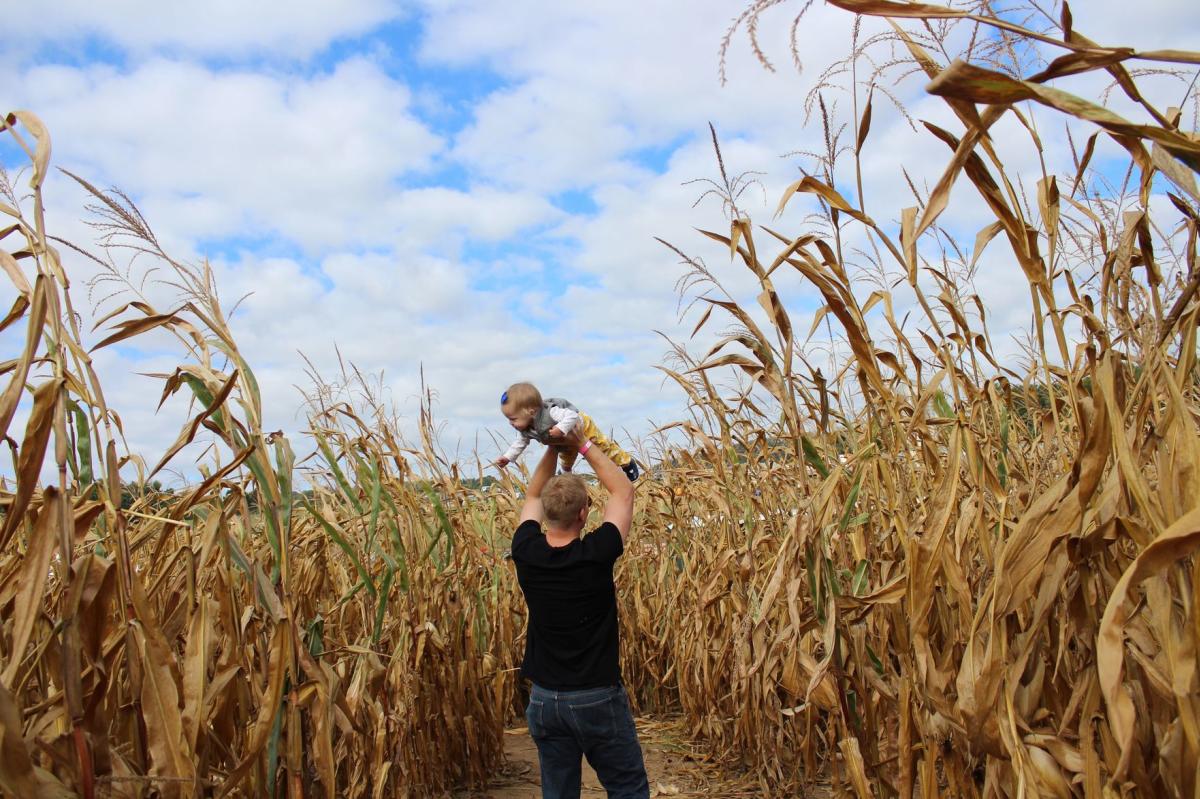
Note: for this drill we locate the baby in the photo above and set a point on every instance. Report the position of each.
(548, 422)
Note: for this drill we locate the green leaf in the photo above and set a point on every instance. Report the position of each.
(249, 381)
(314, 636)
(83, 443)
(812, 586)
(341, 541)
(1002, 464)
(376, 502)
(852, 703)
(444, 528)
(851, 499)
(331, 459)
(813, 457)
(284, 462)
(206, 399)
(401, 551)
(858, 584)
(353, 592)
(875, 661)
(239, 557)
(258, 468)
(381, 604)
(942, 405)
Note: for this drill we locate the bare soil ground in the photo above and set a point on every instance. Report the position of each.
(675, 767)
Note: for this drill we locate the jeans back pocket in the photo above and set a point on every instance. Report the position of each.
(533, 717)
(597, 718)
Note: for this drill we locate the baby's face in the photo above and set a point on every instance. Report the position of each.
(520, 418)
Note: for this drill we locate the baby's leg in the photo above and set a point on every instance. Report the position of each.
(610, 448)
(566, 458)
(606, 444)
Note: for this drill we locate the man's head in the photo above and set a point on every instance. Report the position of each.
(520, 405)
(565, 501)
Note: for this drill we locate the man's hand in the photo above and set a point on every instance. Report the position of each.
(574, 439)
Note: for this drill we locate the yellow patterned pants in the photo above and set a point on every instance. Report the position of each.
(567, 457)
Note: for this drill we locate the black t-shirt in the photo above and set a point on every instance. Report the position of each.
(571, 643)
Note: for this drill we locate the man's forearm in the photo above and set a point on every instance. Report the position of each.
(542, 474)
(609, 473)
(531, 509)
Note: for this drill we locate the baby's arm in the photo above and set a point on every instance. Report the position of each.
(514, 450)
(565, 420)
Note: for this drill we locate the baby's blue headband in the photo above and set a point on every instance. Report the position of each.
(504, 398)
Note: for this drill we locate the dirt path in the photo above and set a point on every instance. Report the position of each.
(675, 767)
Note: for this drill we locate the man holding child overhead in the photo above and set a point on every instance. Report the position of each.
(577, 704)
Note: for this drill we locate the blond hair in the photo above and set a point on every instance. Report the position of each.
(562, 499)
(521, 396)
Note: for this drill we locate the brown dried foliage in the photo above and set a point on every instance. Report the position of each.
(239, 636)
(934, 573)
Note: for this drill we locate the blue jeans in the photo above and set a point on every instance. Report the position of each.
(595, 723)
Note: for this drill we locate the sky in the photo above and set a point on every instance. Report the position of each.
(465, 191)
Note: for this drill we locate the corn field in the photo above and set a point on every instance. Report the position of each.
(927, 572)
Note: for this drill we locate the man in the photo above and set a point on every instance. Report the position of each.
(577, 704)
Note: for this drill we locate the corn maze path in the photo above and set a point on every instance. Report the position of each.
(675, 767)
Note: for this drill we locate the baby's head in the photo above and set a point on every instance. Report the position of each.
(520, 405)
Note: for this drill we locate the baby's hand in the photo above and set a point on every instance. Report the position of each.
(502, 461)
(556, 432)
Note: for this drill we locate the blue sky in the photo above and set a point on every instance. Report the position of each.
(468, 188)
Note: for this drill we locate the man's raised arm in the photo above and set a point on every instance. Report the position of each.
(619, 508)
(532, 509)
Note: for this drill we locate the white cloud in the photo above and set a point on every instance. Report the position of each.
(484, 213)
(594, 86)
(237, 153)
(547, 135)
